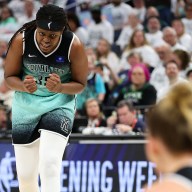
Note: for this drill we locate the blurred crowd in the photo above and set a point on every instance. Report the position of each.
(137, 51)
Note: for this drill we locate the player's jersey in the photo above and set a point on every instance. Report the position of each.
(39, 65)
(182, 177)
(186, 173)
(28, 108)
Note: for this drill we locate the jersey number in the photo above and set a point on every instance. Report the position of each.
(42, 80)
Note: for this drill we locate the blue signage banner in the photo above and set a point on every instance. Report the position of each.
(91, 167)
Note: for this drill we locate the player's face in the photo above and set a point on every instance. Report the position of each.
(47, 40)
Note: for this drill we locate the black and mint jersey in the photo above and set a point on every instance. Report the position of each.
(39, 65)
(43, 109)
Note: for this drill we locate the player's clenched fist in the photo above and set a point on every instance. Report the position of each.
(29, 83)
(53, 83)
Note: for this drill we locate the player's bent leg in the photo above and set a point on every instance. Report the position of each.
(52, 147)
(27, 164)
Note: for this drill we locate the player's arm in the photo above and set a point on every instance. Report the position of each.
(79, 71)
(79, 66)
(13, 65)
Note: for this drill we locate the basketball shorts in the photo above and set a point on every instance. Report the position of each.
(59, 121)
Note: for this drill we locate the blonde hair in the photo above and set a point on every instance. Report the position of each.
(171, 119)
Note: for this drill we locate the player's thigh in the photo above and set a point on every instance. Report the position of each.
(52, 146)
(27, 159)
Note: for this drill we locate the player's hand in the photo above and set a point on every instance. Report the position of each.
(29, 84)
(53, 83)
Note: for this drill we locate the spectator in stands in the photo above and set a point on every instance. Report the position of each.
(99, 28)
(124, 120)
(94, 113)
(123, 78)
(139, 6)
(8, 24)
(111, 65)
(83, 5)
(169, 138)
(76, 27)
(17, 6)
(178, 8)
(170, 37)
(140, 92)
(29, 12)
(106, 55)
(153, 12)
(164, 9)
(139, 44)
(183, 38)
(119, 12)
(158, 77)
(95, 84)
(172, 72)
(132, 59)
(110, 78)
(183, 60)
(128, 29)
(187, 20)
(164, 52)
(154, 34)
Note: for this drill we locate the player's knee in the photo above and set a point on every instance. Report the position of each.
(49, 167)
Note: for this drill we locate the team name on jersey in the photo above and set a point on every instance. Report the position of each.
(44, 68)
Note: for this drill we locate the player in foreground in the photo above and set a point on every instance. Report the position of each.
(170, 140)
(46, 65)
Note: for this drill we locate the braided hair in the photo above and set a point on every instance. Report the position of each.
(47, 13)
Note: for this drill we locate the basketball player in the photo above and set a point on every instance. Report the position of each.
(46, 65)
(170, 140)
